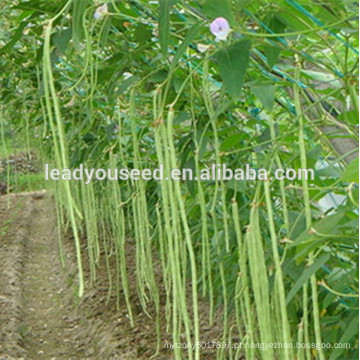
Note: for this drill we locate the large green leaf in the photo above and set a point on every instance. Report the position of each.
(351, 173)
(311, 238)
(351, 333)
(233, 62)
(305, 276)
(323, 226)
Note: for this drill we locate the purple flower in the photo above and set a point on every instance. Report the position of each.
(220, 28)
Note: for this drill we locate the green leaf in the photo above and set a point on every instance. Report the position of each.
(350, 333)
(126, 84)
(237, 185)
(305, 276)
(242, 3)
(41, 6)
(191, 35)
(212, 10)
(323, 226)
(264, 138)
(275, 23)
(142, 33)
(351, 173)
(61, 39)
(266, 94)
(164, 24)
(25, 14)
(233, 62)
(350, 116)
(330, 171)
(277, 26)
(18, 34)
(272, 54)
(309, 238)
(158, 77)
(231, 141)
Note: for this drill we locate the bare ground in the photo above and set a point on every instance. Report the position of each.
(41, 316)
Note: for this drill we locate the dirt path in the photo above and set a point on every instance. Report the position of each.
(37, 284)
(48, 334)
(41, 317)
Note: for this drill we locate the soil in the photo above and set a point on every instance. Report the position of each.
(24, 162)
(41, 316)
